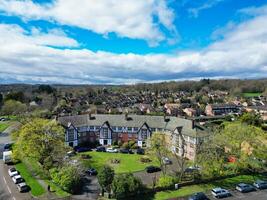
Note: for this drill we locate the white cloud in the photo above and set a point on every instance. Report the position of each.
(127, 18)
(242, 52)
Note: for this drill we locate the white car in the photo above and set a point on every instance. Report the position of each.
(13, 172)
(166, 161)
(17, 179)
(111, 150)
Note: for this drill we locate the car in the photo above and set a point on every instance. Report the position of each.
(220, 193)
(243, 187)
(198, 196)
(100, 149)
(17, 179)
(112, 150)
(12, 172)
(260, 184)
(140, 151)
(91, 172)
(166, 161)
(8, 146)
(82, 149)
(126, 151)
(23, 187)
(152, 169)
(71, 153)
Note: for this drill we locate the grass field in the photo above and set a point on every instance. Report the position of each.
(36, 188)
(3, 126)
(250, 94)
(128, 162)
(228, 183)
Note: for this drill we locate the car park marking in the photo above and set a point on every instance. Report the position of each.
(4, 180)
(8, 189)
(14, 198)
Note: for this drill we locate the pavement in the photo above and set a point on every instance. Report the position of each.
(8, 190)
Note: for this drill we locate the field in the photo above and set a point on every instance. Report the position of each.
(128, 162)
(228, 183)
(36, 188)
(250, 94)
(3, 126)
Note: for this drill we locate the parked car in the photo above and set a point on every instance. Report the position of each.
(8, 146)
(71, 153)
(198, 196)
(243, 187)
(91, 172)
(152, 169)
(220, 193)
(12, 172)
(260, 184)
(126, 151)
(82, 149)
(140, 151)
(100, 149)
(17, 179)
(166, 161)
(23, 187)
(112, 150)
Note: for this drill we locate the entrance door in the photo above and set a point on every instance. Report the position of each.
(71, 144)
(105, 142)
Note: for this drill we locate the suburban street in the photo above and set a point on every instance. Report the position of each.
(8, 190)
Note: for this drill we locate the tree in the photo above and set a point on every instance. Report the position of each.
(105, 178)
(67, 177)
(42, 140)
(159, 147)
(1, 100)
(12, 107)
(126, 185)
(16, 96)
(251, 119)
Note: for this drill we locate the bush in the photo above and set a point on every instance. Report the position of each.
(114, 143)
(67, 177)
(126, 185)
(166, 182)
(131, 144)
(145, 159)
(125, 145)
(120, 143)
(115, 161)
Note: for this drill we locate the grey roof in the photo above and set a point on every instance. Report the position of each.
(133, 121)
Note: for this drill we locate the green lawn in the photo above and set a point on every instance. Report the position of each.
(128, 162)
(228, 183)
(251, 94)
(3, 126)
(36, 188)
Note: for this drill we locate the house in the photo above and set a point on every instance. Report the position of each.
(173, 109)
(262, 110)
(221, 109)
(190, 112)
(107, 129)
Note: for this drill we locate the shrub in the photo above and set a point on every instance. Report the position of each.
(166, 182)
(126, 185)
(125, 145)
(115, 161)
(131, 144)
(145, 159)
(120, 143)
(85, 156)
(67, 177)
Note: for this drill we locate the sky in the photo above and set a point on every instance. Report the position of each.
(131, 41)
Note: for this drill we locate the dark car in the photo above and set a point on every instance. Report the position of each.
(126, 151)
(100, 149)
(83, 149)
(8, 146)
(152, 169)
(22, 187)
(259, 184)
(91, 172)
(198, 196)
(243, 187)
(140, 151)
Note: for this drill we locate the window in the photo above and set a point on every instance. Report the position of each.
(92, 128)
(97, 127)
(144, 134)
(105, 132)
(70, 134)
(113, 128)
(120, 128)
(135, 128)
(153, 129)
(129, 129)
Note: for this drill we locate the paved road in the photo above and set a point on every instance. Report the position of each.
(8, 190)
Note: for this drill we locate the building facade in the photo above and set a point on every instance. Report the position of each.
(107, 129)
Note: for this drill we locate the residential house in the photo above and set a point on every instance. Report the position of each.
(221, 109)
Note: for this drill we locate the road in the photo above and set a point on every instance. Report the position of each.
(8, 190)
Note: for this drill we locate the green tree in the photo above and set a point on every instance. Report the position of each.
(126, 185)
(42, 140)
(159, 147)
(251, 118)
(12, 107)
(67, 177)
(105, 178)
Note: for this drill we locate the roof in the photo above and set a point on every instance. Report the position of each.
(218, 106)
(132, 121)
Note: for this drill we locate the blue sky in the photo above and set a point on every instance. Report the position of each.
(131, 41)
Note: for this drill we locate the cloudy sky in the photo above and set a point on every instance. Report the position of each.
(131, 41)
